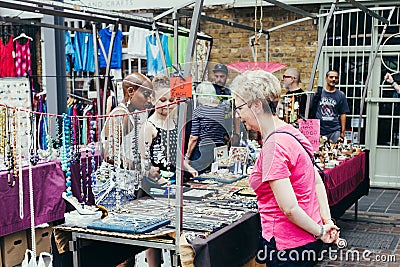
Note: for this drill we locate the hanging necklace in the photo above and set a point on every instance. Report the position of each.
(2, 139)
(135, 149)
(92, 150)
(33, 151)
(20, 178)
(65, 153)
(168, 141)
(10, 159)
(117, 164)
(15, 126)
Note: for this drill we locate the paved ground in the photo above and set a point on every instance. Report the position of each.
(372, 240)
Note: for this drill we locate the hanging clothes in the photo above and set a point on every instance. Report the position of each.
(153, 55)
(137, 41)
(69, 51)
(116, 57)
(182, 47)
(23, 58)
(200, 64)
(7, 65)
(84, 52)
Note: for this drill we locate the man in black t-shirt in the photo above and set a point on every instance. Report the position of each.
(331, 108)
(290, 81)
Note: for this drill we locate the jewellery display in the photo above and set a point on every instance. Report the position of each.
(34, 157)
(127, 223)
(15, 92)
(136, 158)
(92, 150)
(10, 159)
(20, 178)
(65, 155)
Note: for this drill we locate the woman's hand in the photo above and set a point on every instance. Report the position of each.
(330, 233)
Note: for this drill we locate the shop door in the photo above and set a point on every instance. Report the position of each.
(348, 43)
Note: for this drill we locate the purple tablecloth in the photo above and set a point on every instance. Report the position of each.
(48, 185)
(345, 178)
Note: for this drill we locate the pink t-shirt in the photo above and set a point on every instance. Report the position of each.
(282, 157)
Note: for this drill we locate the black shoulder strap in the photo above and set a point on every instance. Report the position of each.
(315, 102)
(309, 154)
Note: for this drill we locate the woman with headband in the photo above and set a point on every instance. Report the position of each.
(138, 92)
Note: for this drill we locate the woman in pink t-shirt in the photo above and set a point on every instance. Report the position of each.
(291, 196)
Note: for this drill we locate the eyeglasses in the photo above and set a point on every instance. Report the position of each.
(238, 108)
(287, 76)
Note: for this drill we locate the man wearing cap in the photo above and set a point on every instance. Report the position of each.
(220, 77)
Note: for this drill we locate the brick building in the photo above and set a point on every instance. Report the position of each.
(293, 45)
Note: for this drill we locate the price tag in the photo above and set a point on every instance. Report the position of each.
(181, 88)
(310, 129)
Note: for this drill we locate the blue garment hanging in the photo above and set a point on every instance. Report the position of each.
(153, 55)
(69, 51)
(84, 52)
(116, 57)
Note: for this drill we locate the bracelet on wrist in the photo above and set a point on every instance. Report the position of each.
(393, 83)
(321, 233)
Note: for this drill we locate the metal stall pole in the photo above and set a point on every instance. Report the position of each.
(318, 53)
(175, 19)
(181, 123)
(182, 111)
(96, 73)
(109, 56)
(267, 47)
(158, 40)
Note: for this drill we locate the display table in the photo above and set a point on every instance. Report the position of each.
(233, 245)
(48, 185)
(346, 183)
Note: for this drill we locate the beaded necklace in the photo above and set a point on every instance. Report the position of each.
(2, 129)
(92, 149)
(117, 164)
(65, 163)
(20, 178)
(87, 175)
(10, 159)
(34, 157)
(15, 126)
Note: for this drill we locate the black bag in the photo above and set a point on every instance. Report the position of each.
(314, 103)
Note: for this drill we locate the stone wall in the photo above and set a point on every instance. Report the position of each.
(293, 45)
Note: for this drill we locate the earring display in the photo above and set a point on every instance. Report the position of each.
(15, 92)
